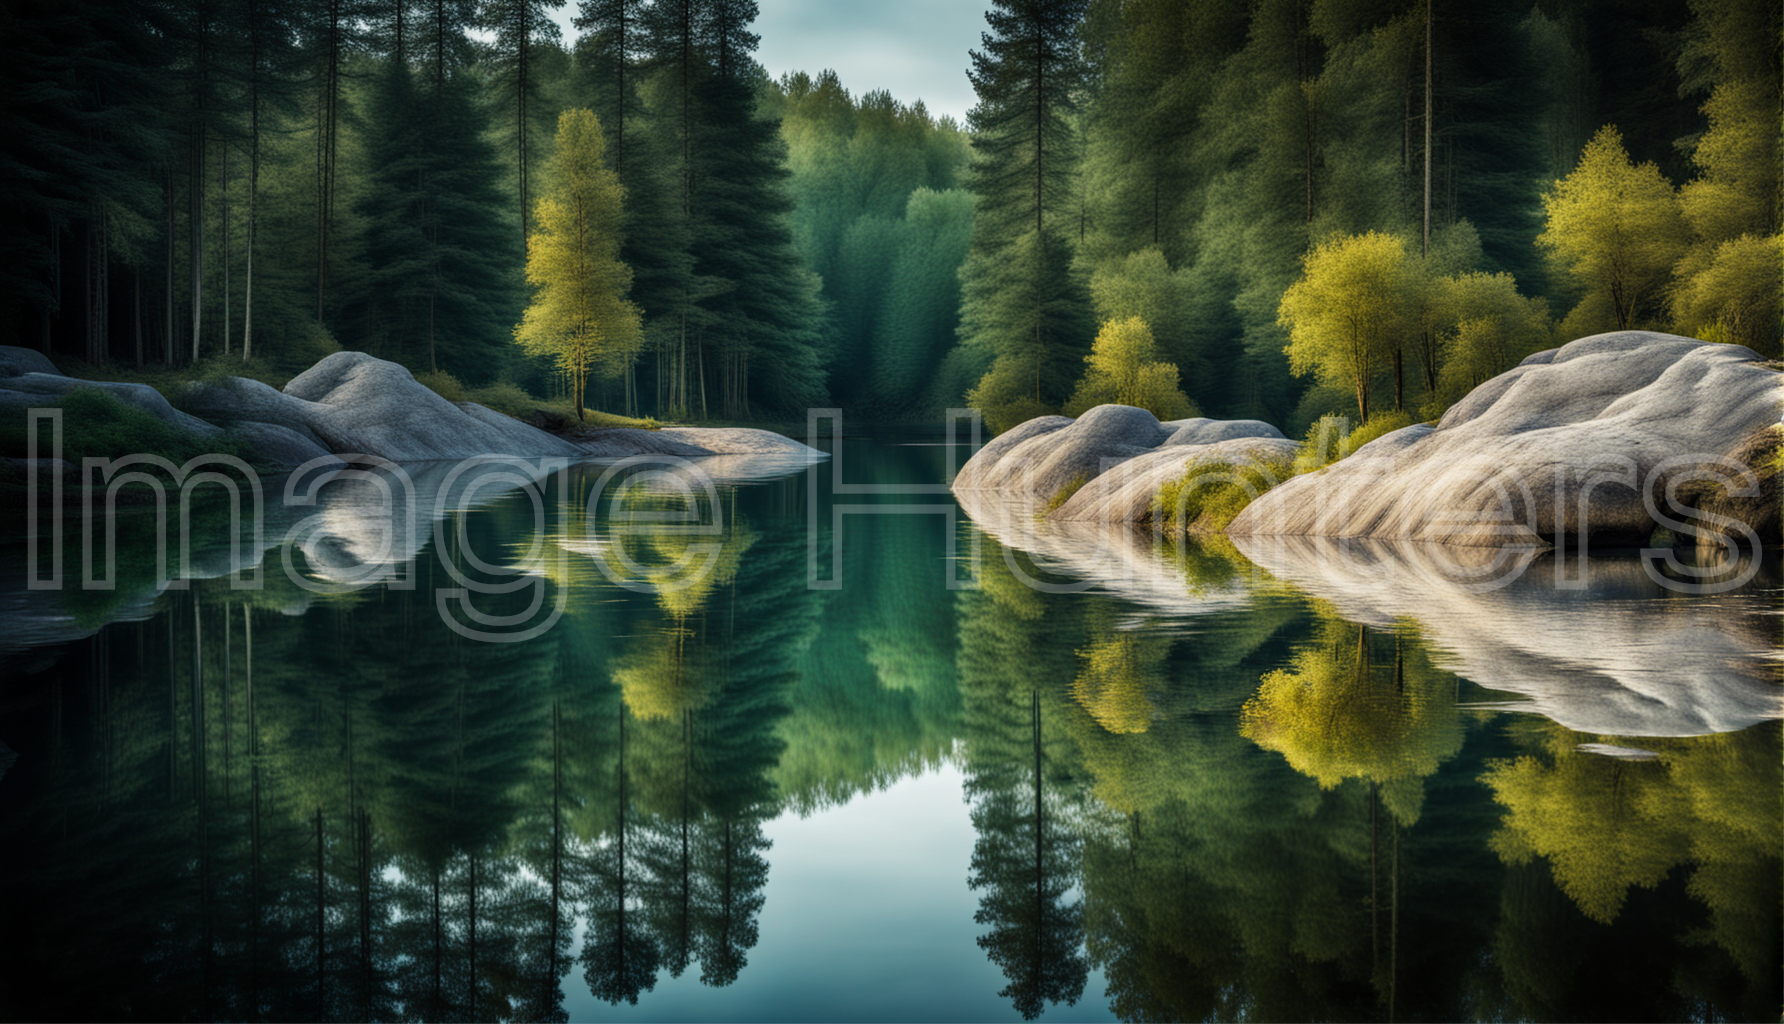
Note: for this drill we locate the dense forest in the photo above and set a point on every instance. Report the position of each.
(1309, 206)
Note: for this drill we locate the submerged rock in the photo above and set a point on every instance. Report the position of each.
(1569, 442)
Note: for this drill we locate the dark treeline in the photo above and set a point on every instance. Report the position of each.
(268, 180)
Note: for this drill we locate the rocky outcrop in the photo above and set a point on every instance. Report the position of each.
(16, 362)
(738, 441)
(355, 403)
(37, 389)
(1572, 441)
(352, 404)
(1517, 622)
(1124, 494)
(1048, 454)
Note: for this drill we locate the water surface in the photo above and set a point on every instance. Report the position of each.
(998, 770)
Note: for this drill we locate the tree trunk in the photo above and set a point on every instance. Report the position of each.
(1425, 248)
(1399, 378)
(225, 177)
(167, 301)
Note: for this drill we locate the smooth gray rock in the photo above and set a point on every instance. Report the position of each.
(1124, 493)
(16, 362)
(277, 445)
(357, 403)
(1618, 656)
(980, 470)
(738, 441)
(1047, 456)
(625, 442)
(1201, 430)
(1562, 444)
(35, 387)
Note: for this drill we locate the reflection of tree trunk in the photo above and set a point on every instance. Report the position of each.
(471, 1002)
(364, 872)
(557, 790)
(321, 1006)
(687, 757)
(254, 822)
(624, 945)
(1394, 926)
(173, 713)
(197, 705)
(1399, 664)
(228, 732)
(438, 1006)
(1040, 881)
(1374, 881)
(725, 903)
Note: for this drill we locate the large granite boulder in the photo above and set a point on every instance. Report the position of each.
(1125, 492)
(1201, 430)
(351, 403)
(1571, 442)
(356, 403)
(1050, 453)
(737, 441)
(1116, 456)
(41, 389)
(625, 442)
(16, 362)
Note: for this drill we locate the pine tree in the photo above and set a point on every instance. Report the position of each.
(580, 315)
(521, 27)
(441, 280)
(1022, 299)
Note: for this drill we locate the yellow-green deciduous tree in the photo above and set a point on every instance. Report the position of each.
(1125, 369)
(1357, 297)
(1734, 298)
(1484, 328)
(1615, 230)
(1143, 284)
(580, 315)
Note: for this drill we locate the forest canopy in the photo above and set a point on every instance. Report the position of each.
(259, 182)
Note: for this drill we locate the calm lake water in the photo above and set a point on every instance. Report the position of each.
(1281, 784)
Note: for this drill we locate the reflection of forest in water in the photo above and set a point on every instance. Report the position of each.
(270, 805)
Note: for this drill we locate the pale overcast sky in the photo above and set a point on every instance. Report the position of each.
(916, 49)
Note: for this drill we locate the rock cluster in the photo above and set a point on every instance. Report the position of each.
(352, 404)
(1583, 440)
(1116, 456)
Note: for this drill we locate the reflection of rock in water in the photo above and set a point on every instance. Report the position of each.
(1619, 656)
(349, 527)
(1116, 558)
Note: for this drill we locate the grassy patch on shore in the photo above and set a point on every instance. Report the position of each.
(1210, 495)
(554, 415)
(1332, 439)
(1064, 494)
(96, 425)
